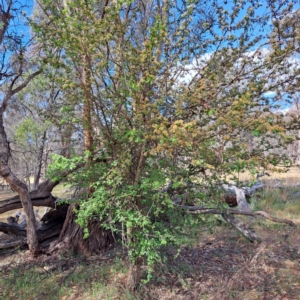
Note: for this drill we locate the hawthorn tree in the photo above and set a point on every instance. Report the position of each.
(166, 96)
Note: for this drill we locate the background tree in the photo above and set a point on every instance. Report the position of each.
(16, 72)
(37, 128)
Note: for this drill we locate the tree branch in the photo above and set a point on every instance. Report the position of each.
(216, 211)
(12, 91)
(241, 227)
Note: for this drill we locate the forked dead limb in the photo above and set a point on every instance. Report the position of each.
(228, 216)
(216, 211)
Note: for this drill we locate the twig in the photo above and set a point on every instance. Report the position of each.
(258, 252)
(69, 274)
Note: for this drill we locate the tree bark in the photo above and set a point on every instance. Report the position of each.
(135, 270)
(44, 232)
(134, 275)
(246, 231)
(72, 238)
(37, 174)
(12, 244)
(12, 88)
(52, 225)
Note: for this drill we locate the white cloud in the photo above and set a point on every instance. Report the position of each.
(269, 94)
(245, 64)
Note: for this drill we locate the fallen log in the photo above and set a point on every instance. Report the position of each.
(44, 232)
(38, 198)
(51, 228)
(13, 244)
(205, 210)
(233, 196)
(238, 196)
(12, 229)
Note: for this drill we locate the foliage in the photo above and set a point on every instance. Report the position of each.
(28, 132)
(168, 100)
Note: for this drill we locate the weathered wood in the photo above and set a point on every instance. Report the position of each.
(216, 211)
(47, 186)
(237, 196)
(37, 198)
(228, 216)
(241, 227)
(12, 229)
(51, 229)
(56, 214)
(44, 232)
(20, 187)
(12, 244)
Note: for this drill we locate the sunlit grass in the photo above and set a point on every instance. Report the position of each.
(280, 202)
(292, 175)
(62, 190)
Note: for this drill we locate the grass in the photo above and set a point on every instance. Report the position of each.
(283, 203)
(219, 265)
(210, 265)
(62, 278)
(293, 174)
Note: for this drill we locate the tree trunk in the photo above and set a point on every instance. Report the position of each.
(20, 187)
(37, 174)
(134, 275)
(135, 270)
(48, 232)
(72, 239)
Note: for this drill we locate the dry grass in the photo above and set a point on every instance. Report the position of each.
(293, 174)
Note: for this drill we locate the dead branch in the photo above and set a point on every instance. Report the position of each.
(12, 244)
(216, 211)
(44, 232)
(228, 216)
(241, 227)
